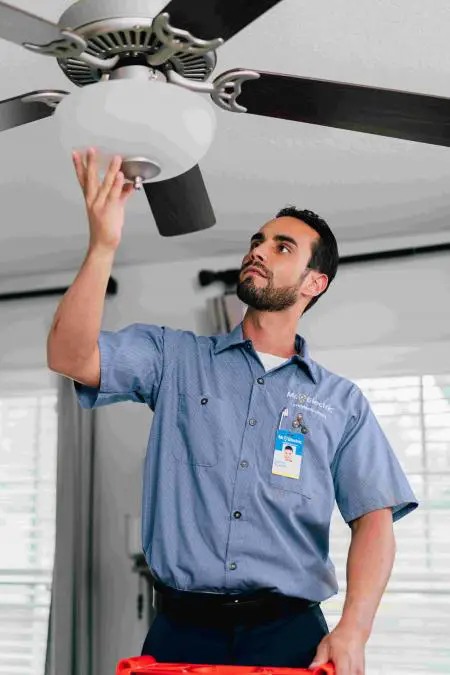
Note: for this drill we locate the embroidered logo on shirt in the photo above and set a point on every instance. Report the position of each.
(310, 400)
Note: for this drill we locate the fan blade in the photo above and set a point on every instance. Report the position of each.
(15, 111)
(21, 27)
(180, 205)
(385, 112)
(208, 19)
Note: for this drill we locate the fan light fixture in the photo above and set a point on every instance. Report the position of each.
(161, 130)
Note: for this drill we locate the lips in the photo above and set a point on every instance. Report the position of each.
(256, 271)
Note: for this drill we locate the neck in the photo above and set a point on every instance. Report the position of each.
(271, 332)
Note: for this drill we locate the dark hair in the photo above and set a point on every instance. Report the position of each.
(325, 254)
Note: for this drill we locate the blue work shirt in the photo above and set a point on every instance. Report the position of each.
(214, 516)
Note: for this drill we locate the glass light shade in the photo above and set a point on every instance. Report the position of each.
(160, 121)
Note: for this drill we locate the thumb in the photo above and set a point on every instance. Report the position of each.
(322, 655)
(127, 191)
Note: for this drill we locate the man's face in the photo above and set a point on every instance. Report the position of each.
(288, 454)
(280, 251)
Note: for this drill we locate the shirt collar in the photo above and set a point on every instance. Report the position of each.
(236, 337)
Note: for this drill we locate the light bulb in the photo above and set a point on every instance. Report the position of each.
(162, 122)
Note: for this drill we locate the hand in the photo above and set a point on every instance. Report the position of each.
(344, 647)
(105, 203)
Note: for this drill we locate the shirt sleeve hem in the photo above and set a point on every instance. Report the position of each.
(399, 510)
(90, 397)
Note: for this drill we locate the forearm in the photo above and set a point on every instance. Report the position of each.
(369, 565)
(77, 321)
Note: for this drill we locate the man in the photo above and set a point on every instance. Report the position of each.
(238, 542)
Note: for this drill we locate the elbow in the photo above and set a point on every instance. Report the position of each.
(50, 350)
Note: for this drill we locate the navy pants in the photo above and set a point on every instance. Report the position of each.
(290, 641)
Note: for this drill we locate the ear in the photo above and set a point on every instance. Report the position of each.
(314, 284)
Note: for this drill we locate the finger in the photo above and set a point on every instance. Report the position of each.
(322, 655)
(115, 192)
(127, 190)
(110, 178)
(79, 168)
(91, 182)
(343, 666)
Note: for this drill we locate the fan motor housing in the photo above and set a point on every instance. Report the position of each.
(124, 28)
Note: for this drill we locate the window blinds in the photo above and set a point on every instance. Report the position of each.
(411, 633)
(28, 442)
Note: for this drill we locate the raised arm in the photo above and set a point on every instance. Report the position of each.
(72, 343)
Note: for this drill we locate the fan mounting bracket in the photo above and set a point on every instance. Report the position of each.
(224, 89)
(176, 40)
(71, 46)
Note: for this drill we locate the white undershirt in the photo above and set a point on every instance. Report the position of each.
(270, 361)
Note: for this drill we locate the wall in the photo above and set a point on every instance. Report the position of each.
(389, 317)
(383, 317)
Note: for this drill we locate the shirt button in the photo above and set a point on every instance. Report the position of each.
(204, 401)
(248, 344)
(260, 380)
(232, 566)
(252, 422)
(237, 515)
(244, 464)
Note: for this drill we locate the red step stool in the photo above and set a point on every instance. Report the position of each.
(146, 665)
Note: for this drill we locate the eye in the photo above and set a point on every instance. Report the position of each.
(284, 246)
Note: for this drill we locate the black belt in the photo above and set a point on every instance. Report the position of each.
(258, 606)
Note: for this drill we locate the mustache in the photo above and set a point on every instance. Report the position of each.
(256, 267)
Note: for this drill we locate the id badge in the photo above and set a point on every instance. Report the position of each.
(288, 450)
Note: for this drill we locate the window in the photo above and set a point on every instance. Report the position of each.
(412, 627)
(28, 443)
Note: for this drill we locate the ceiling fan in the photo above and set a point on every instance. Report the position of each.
(99, 41)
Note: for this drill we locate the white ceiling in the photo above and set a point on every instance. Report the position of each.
(374, 192)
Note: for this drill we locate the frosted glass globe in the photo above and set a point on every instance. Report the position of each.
(160, 121)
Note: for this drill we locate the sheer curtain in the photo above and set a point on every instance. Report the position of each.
(69, 645)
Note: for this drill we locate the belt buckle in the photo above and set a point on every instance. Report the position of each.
(230, 601)
(244, 603)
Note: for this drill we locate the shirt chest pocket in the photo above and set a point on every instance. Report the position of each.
(201, 427)
(301, 485)
(312, 463)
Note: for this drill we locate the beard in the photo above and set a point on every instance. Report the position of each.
(268, 298)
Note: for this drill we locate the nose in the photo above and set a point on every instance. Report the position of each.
(258, 254)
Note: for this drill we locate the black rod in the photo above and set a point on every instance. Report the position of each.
(42, 292)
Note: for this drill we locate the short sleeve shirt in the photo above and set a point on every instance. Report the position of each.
(215, 518)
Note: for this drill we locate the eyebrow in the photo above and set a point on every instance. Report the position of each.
(259, 236)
